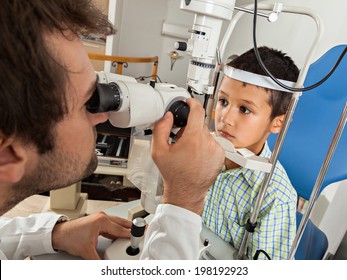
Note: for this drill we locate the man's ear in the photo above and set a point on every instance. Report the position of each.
(13, 158)
(276, 124)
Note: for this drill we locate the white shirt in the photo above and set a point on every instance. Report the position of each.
(173, 234)
(30, 236)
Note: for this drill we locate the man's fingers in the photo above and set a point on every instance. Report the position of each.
(196, 118)
(113, 230)
(161, 133)
(120, 221)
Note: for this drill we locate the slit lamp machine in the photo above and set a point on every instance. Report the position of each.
(132, 104)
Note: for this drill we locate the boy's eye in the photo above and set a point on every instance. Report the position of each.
(245, 110)
(223, 102)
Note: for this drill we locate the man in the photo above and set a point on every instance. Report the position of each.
(47, 136)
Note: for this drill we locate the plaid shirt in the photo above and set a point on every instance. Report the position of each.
(230, 203)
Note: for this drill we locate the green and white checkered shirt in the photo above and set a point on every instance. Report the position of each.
(230, 203)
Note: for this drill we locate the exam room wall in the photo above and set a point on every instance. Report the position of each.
(294, 34)
(139, 25)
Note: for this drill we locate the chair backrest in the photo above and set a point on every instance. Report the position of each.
(122, 61)
(313, 126)
(329, 214)
(307, 141)
(313, 244)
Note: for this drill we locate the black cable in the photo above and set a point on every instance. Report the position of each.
(257, 253)
(147, 77)
(261, 63)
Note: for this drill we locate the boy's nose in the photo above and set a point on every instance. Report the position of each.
(229, 118)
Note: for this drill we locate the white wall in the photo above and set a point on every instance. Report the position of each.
(139, 32)
(293, 33)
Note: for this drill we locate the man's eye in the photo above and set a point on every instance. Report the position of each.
(245, 110)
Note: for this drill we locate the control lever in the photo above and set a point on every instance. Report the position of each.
(137, 231)
(128, 249)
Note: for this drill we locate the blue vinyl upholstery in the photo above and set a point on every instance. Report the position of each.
(313, 243)
(308, 139)
(313, 125)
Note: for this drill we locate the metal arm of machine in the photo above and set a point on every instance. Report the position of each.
(271, 17)
(292, 106)
(131, 99)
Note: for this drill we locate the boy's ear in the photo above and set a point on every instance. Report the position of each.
(13, 158)
(276, 124)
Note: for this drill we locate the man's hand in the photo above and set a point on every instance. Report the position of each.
(80, 237)
(190, 165)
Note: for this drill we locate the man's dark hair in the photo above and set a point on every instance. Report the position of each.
(32, 81)
(279, 64)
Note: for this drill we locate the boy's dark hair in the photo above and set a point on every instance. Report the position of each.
(279, 64)
(32, 81)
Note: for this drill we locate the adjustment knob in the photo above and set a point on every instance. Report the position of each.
(181, 46)
(180, 111)
(137, 231)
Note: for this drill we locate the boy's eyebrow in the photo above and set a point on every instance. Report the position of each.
(250, 102)
(221, 91)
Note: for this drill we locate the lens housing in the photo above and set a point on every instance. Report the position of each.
(106, 97)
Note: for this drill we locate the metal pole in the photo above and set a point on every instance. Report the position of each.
(321, 175)
(273, 159)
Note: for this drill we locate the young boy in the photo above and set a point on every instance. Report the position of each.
(246, 114)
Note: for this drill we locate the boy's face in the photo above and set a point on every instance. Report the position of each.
(243, 115)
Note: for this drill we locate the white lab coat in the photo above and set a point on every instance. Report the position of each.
(30, 236)
(173, 234)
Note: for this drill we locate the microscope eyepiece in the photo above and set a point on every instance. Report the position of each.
(105, 98)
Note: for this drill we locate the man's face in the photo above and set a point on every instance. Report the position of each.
(73, 156)
(243, 114)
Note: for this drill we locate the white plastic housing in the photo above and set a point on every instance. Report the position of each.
(203, 43)
(143, 105)
(222, 9)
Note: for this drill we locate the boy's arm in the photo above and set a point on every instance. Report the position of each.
(277, 232)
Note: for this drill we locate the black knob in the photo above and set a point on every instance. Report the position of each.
(152, 83)
(180, 111)
(181, 46)
(138, 227)
(137, 230)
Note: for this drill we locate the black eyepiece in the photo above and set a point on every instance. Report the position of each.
(106, 97)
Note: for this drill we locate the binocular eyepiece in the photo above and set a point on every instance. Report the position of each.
(105, 98)
(132, 104)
